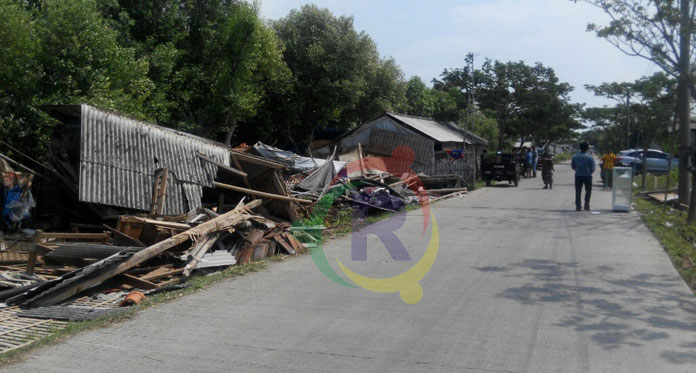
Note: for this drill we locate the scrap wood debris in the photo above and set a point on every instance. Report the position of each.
(65, 268)
(139, 227)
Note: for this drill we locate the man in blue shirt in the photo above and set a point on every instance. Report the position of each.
(584, 166)
(529, 158)
(535, 159)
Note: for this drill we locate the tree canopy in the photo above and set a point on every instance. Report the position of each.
(651, 105)
(215, 68)
(527, 102)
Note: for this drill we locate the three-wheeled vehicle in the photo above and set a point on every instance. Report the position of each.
(500, 166)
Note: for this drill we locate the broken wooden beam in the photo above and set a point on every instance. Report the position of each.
(70, 284)
(259, 193)
(118, 234)
(221, 166)
(445, 190)
(197, 252)
(161, 223)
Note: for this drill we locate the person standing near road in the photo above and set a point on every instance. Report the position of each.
(529, 160)
(535, 160)
(584, 166)
(547, 169)
(608, 161)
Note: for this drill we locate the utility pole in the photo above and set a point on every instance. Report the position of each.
(469, 115)
(470, 91)
(628, 120)
(684, 104)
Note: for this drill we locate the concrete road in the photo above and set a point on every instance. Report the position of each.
(521, 283)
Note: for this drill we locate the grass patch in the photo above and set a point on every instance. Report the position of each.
(561, 157)
(197, 283)
(677, 238)
(480, 183)
(658, 182)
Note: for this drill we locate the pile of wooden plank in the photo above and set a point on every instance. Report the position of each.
(143, 253)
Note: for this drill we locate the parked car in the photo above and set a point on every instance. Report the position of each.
(656, 160)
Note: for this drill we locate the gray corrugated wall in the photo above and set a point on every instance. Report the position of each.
(117, 162)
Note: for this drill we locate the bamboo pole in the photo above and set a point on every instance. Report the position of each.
(259, 193)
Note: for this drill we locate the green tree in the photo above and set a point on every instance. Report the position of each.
(485, 127)
(607, 130)
(651, 111)
(333, 70)
(212, 61)
(83, 62)
(419, 100)
(528, 102)
(385, 91)
(227, 58)
(661, 32)
(449, 104)
(60, 52)
(19, 74)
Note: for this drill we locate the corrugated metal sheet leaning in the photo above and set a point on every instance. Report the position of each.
(119, 157)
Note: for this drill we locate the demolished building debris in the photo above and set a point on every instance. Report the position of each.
(127, 208)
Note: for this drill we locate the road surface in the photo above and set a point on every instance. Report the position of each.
(521, 283)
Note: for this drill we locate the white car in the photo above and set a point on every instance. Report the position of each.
(656, 161)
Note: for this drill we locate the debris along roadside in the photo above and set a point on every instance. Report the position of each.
(132, 273)
(64, 268)
(125, 209)
(120, 209)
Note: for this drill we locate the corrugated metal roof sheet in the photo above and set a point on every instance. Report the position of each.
(436, 131)
(119, 157)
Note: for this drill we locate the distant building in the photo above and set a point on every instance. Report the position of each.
(434, 142)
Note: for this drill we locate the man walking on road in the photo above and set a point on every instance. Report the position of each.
(584, 166)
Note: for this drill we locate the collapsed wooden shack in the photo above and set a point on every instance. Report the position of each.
(124, 185)
(441, 148)
(126, 209)
(116, 164)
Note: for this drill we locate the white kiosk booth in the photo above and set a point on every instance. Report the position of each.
(622, 192)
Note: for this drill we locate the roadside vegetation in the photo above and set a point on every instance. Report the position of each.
(668, 224)
(219, 70)
(676, 236)
(561, 157)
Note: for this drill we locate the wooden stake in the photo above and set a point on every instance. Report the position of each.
(259, 193)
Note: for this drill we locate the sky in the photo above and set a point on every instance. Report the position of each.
(425, 37)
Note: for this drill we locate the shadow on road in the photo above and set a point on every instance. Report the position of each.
(615, 311)
(554, 221)
(500, 185)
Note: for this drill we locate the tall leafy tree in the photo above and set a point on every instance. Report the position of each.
(651, 111)
(338, 79)
(213, 61)
(419, 99)
(19, 74)
(385, 91)
(82, 60)
(661, 32)
(528, 102)
(228, 57)
(60, 52)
